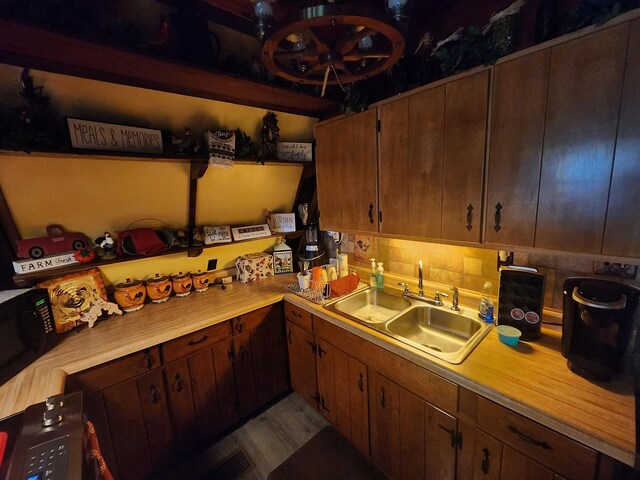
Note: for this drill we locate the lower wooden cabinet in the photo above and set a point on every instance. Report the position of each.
(302, 362)
(147, 413)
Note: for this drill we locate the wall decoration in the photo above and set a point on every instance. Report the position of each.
(213, 235)
(74, 295)
(44, 263)
(270, 134)
(282, 258)
(295, 151)
(250, 232)
(85, 134)
(222, 147)
(363, 247)
(281, 222)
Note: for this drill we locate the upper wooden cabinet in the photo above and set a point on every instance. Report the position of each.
(466, 110)
(518, 106)
(411, 156)
(346, 169)
(585, 86)
(622, 230)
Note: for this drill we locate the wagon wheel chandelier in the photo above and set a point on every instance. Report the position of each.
(331, 44)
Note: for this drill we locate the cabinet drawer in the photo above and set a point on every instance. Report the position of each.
(183, 346)
(569, 458)
(117, 371)
(254, 319)
(297, 315)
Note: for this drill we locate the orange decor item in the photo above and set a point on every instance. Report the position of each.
(344, 285)
(130, 295)
(200, 281)
(159, 289)
(182, 284)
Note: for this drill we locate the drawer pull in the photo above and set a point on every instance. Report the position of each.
(204, 338)
(295, 314)
(155, 396)
(239, 326)
(148, 360)
(178, 383)
(526, 438)
(486, 464)
(360, 384)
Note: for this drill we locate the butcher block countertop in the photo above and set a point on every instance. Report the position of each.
(531, 379)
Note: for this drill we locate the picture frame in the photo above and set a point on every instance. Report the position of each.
(216, 234)
(282, 262)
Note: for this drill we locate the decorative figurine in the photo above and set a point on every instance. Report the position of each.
(108, 245)
(197, 237)
(57, 240)
(187, 143)
(270, 134)
(97, 308)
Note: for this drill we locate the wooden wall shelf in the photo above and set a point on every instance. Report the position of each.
(29, 46)
(25, 280)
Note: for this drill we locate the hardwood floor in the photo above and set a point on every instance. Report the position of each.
(269, 439)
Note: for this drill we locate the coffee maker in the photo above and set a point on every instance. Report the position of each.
(597, 322)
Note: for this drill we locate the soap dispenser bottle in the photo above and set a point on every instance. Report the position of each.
(373, 279)
(380, 277)
(485, 309)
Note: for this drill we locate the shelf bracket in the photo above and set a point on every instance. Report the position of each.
(197, 169)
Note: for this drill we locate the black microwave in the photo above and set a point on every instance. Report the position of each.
(27, 329)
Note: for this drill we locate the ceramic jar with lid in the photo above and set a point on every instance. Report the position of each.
(181, 284)
(159, 288)
(130, 295)
(200, 281)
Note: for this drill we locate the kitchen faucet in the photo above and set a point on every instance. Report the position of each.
(436, 300)
(454, 299)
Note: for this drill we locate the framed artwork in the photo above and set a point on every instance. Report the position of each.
(283, 261)
(73, 295)
(363, 248)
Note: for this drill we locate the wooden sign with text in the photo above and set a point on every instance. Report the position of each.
(90, 135)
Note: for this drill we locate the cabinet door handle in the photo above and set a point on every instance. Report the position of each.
(316, 398)
(528, 439)
(486, 464)
(178, 383)
(148, 359)
(154, 395)
(469, 217)
(313, 346)
(382, 399)
(497, 226)
(452, 434)
(191, 343)
(324, 406)
(239, 326)
(360, 383)
(371, 213)
(289, 337)
(243, 353)
(320, 351)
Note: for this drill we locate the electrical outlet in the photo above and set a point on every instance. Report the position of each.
(213, 264)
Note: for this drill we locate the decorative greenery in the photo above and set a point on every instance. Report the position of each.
(589, 12)
(356, 98)
(469, 51)
(246, 149)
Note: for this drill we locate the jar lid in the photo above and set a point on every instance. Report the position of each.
(157, 279)
(199, 273)
(128, 283)
(180, 276)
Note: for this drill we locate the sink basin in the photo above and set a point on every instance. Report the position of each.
(445, 334)
(370, 306)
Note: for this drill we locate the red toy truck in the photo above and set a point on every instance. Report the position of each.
(57, 240)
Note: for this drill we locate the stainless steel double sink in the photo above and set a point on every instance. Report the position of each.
(443, 333)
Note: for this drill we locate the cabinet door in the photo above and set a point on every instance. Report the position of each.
(346, 170)
(359, 405)
(278, 347)
(225, 383)
(516, 466)
(95, 410)
(205, 395)
(155, 411)
(464, 147)
(518, 109)
(411, 155)
(244, 374)
(440, 444)
(302, 363)
(384, 424)
(263, 370)
(487, 458)
(585, 86)
(412, 437)
(325, 362)
(622, 232)
(126, 422)
(183, 414)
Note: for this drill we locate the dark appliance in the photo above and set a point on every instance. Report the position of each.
(27, 329)
(313, 254)
(520, 300)
(45, 441)
(597, 321)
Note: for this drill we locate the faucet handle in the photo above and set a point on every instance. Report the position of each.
(454, 289)
(406, 287)
(440, 294)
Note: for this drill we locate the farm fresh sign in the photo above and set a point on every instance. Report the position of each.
(85, 134)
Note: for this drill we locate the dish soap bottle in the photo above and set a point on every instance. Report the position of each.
(485, 309)
(380, 277)
(373, 280)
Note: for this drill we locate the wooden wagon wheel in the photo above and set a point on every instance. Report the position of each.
(357, 41)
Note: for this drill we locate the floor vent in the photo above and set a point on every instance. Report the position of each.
(232, 467)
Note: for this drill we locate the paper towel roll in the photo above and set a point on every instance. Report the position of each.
(343, 265)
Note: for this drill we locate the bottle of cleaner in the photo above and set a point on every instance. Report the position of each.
(485, 309)
(373, 280)
(380, 276)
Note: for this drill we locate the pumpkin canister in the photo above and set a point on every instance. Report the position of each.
(130, 295)
(159, 289)
(181, 284)
(200, 281)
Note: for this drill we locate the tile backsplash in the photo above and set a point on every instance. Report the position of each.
(467, 267)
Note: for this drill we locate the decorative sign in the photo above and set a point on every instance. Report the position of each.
(282, 222)
(85, 134)
(51, 261)
(222, 147)
(250, 232)
(217, 234)
(295, 151)
(283, 261)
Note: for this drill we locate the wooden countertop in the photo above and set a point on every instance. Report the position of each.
(531, 379)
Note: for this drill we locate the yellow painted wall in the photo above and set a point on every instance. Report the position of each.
(93, 196)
